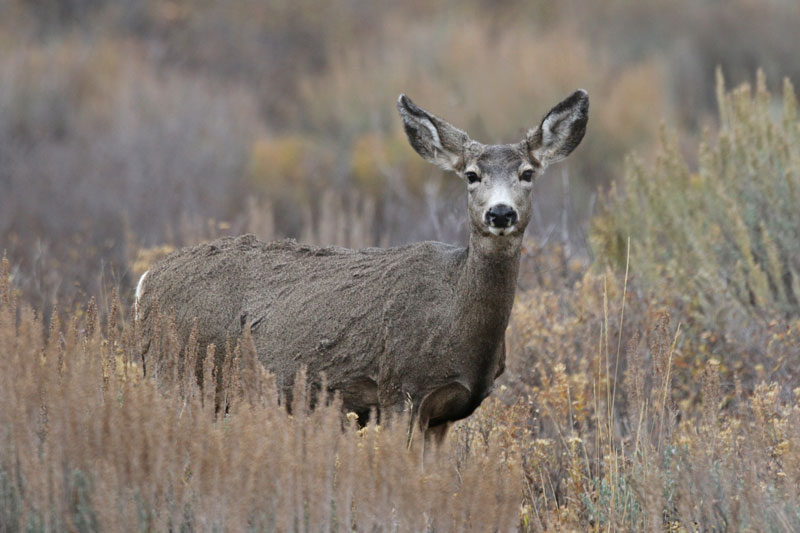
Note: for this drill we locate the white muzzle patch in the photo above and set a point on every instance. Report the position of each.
(502, 231)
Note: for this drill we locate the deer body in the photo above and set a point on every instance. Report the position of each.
(420, 325)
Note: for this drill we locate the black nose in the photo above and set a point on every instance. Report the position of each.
(501, 216)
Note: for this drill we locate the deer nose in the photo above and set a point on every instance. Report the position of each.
(501, 216)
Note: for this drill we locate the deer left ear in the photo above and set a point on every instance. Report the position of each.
(561, 130)
(437, 141)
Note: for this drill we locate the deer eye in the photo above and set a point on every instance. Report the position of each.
(472, 177)
(527, 175)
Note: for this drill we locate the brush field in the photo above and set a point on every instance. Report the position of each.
(653, 372)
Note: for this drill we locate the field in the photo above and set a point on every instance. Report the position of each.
(653, 371)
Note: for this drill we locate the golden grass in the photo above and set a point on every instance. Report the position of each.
(88, 442)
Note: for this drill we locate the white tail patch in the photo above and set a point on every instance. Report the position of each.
(139, 289)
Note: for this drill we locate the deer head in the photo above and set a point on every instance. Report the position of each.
(500, 177)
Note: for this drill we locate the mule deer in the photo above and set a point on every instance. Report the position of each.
(421, 325)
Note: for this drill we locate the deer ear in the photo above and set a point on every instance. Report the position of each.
(561, 130)
(434, 139)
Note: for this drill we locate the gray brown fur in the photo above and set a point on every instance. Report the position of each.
(420, 325)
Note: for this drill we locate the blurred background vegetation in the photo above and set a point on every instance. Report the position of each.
(133, 124)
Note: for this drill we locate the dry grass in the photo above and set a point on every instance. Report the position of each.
(90, 443)
(668, 444)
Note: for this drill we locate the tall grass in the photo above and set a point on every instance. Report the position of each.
(619, 429)
(580, 435)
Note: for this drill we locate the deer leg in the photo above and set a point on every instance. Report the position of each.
(439, 407)
(437, 434)
(443, 404)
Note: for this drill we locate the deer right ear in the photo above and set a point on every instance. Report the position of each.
(561, 130)
(434, 139)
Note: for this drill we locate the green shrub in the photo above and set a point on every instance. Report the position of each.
(723, 240)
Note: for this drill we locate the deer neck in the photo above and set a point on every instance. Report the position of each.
(487, 284)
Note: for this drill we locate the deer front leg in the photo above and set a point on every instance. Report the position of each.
(437, 434)
(439, 407)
